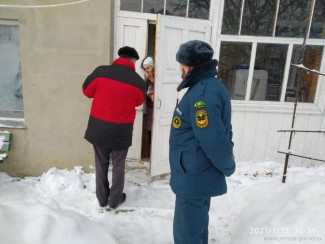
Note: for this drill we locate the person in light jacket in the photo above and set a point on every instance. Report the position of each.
(149, 71)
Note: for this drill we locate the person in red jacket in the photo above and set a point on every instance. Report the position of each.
(116, 91)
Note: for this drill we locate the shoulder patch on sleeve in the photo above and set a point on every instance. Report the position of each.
(200, 104)
(176, 122)
(201, 119)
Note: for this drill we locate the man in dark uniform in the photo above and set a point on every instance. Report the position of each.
(116, 91)
(201, 147)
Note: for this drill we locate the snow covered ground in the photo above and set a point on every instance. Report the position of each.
(61, 207)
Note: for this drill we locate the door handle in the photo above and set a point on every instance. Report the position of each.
(158, 106)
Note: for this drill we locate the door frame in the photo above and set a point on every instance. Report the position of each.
(151, 18)
(139, 29)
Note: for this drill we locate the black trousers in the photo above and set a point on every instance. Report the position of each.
(104, 193)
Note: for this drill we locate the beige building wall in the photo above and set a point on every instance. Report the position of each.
(60, 46)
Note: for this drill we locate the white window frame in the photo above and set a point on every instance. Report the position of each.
(317, 107)
(216, 15)
(150, 16)
(8, 122)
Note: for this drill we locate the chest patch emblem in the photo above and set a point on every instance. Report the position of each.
(176, 122)
(201, 118)
(200, 104)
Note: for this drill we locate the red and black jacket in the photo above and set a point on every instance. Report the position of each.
(116, 91)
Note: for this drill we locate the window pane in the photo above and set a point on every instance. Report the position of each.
(199, 9)
(176, 7)
(312, 60)
(131, 5)
(231, 15)
(11, 96)
(318, 24)
(233, 67)
(291, 18)
(268, 75)
(153, 6)
(258, 17)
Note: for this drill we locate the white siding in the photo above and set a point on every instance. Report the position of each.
(256, 137)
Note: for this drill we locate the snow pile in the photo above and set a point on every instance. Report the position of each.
(35, 221)
(55, 181)
(61, 207)
(3, 155)
(288, 212)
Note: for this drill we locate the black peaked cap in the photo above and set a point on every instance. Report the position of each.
(128, 52)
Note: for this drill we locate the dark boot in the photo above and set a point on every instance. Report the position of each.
(121, 201)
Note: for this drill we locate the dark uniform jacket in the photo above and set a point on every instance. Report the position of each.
(201, 147)
(116, 90)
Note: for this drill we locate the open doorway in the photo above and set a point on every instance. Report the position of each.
(148, 105)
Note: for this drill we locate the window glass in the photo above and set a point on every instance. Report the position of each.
(258, 17)
(11, 96)
(176, 7)
(312, 60)
(233, 67)
(199, 9)
(268, 73)
(318, 24)
(291, 18)
(131, 5)
(153, 6)
(231, 17)
(196, 9)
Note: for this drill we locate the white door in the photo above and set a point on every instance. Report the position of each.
(171, 32)
(133, 32)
